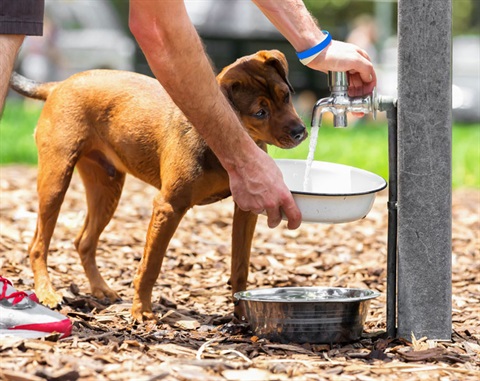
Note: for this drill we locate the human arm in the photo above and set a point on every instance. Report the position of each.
(177, 58)
(9, 46)
(294, 21)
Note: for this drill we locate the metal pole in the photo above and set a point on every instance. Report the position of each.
(392, 223)
(424, 291)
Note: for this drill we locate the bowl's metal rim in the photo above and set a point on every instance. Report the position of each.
(374, 190)
(374, 294)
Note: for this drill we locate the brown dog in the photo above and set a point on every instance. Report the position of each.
(109, 123)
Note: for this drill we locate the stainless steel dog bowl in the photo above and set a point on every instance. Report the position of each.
(307, 314)
(337, 193)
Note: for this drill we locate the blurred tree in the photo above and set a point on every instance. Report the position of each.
(466, 16)
(334, 15)
(122, 8)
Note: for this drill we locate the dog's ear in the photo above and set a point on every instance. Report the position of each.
(228, 88)
(279, 62)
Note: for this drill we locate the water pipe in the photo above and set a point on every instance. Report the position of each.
(339, 104)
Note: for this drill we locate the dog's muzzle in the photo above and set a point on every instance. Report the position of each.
(298, 133)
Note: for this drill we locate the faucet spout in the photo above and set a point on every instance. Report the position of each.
(339, 103)
(322, 106)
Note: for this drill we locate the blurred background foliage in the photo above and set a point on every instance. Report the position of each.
(466, 13)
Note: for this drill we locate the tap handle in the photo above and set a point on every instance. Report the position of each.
(337, 81)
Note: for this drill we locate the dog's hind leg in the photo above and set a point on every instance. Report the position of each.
(166, 216)
(52, 183)
(103, 185)
(242, 235)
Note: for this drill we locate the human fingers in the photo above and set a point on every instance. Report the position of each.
(274, 217)
(362, 74)
(367, 74)
(358, 114)
(341, 56)
(286, 208)
(369, 81)
(355, 84)
(357, 87)
(293, 214)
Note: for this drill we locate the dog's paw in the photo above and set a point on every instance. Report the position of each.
(105, 294)
(239, 314)
(49, 299)
(145, 316)
(140, 315)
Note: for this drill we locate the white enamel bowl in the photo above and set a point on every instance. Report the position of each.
(337, 193)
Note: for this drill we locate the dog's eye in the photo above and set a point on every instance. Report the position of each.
(287, 98)
(261, 114)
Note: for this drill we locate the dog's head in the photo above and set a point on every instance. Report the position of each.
(257, 87)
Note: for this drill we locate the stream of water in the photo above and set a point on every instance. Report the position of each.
(311, 154)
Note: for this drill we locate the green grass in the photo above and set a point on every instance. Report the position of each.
(466, 156)
(364, 146)
(16, 132)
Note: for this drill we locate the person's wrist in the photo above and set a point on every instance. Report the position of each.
(247, 152)
(319, 62)
(308, 55)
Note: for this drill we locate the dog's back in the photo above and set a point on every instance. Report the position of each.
(127, 117)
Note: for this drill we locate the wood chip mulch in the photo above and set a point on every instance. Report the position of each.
(194, 338)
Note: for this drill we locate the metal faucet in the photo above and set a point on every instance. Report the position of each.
(339, 103)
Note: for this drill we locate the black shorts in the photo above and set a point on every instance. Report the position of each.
(21, 17)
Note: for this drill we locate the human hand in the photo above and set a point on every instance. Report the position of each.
(342, 56)
(258, 186)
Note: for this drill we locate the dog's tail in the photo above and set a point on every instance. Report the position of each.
(30, 88)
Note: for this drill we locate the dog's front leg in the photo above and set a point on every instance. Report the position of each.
(242, 235)
(164, 222)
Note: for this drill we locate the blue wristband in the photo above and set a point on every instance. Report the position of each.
(317, 48)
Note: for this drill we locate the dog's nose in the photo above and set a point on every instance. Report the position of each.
(298, 132)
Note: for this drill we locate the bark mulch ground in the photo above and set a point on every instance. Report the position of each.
(194, 338)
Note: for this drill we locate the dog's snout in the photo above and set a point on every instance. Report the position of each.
(298, 132)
